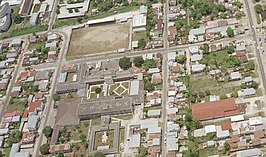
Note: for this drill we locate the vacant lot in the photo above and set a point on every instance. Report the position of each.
(97, 39)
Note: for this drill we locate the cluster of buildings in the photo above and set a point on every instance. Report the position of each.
(30, 90)
(215, 29)
(9, 53)
(51, 45)
(140, 21)
(71, 10)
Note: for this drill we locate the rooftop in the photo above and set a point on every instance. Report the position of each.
(215, 109)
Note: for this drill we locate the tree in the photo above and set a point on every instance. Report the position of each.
(205, 48)
(98, 90)
(234, 61)
(44, 149)
(226, 148)
(83, 138)
(17, 18)
(148, 86)
(124, 63)
(207, 92)
(230, 48)
(181, 59)
(143, 151)
(47, 131)
(250, 65)
(223, 96)
(230, 32)
(258, 8)
(149, 63)
(98, 154)
(142, 43)
(138, 61)
(234, 94)
(76, 10)
(14, 137)
(59, 154)
(56, 97)
(79, 19)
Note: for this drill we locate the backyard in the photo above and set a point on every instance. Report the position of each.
(17, 105)
(201, 83)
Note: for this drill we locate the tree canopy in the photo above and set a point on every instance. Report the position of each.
(98, 154)
(181, 59)
(258, 8)
(44, 149)
(56, 97)
(138, 61)
(14, 137)
(124, 63)
(230, 32)
(47, 131)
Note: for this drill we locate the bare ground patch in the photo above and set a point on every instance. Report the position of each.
(98, 39)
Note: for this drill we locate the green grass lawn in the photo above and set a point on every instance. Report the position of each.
(110, 138)
(36, 45)
(217, 59)
(17, 105)
(208, 152)
(202, 83)
(151, 108)
(69, 22)
(139, 35)
(96, 121)
(80, 149)
(76, 131)
(124, 117)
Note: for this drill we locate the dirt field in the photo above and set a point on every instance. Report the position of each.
(97, 39)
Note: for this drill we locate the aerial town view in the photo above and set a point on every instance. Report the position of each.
(132, 78)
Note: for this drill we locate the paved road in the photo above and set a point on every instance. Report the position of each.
(165, 78)
(50, 102)
(53, 15)
(254, 36)
(13, 79)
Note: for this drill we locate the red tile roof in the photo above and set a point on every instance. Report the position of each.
(215, 109)
(240, 53)
(226, 125)
(39, 95)
(3, 86)
(259, 134)
(32, 107)
(10, 114)
(28, 137)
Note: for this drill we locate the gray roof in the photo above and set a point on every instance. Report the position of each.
(195, 57)
(154, 113)
(197, 31)
(14, 152)
(198, 67)
(16, 41)
(171, 143)
(134, 87)
(5, 17)
(104, 107)
(235, 75)
(43, 75)
(34, 18)
(135, 141)
(249, 153)
(2, 64)
(249, 91)
(33, 121)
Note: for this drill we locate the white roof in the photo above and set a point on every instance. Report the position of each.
(193, 49)
(143, 9)
(135, 141)
(153, 70)
(255, 121)
(172, 93)
(235, 75)
(156, 141)
(249, 91)
(139, 20)
(134, 87)
(135, 44)
(247, 79)
(237, 118)
(154, 113)
(210, 143)
(197, 31)
(171, 56)
(221, 133)
(107, 19)
(210, 129)
(43, 7)
(198, 67)
(249, 153)
(171, 143)
(172, 110)
(195, 57)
